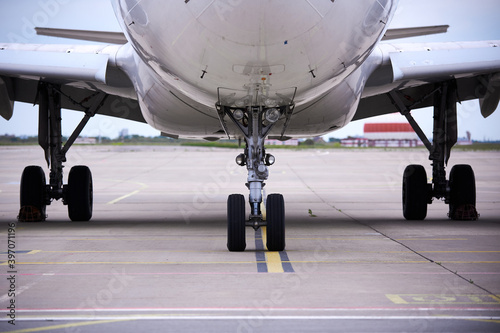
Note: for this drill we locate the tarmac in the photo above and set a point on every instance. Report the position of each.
(154, 255)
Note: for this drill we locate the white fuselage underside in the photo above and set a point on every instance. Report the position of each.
(184, 56)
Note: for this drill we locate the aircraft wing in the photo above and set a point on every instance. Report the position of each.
(413, 70)
(81, 70)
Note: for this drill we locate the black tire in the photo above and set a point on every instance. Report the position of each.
(32, 195)
(415, 193)
(236, 241)
(79, 194)
(462, 192)
(275, 210)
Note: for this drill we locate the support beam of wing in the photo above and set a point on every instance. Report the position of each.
(415, 32)
(94, 36)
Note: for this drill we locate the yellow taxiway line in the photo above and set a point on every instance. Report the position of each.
(63, 326)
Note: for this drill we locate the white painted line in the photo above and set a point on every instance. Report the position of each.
(112, 202)
(111, 310)
(242, 317)
(143, 186)
(19, 291)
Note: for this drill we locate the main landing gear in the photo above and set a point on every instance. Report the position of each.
(35, 194)
(460, 190)
(255, 122)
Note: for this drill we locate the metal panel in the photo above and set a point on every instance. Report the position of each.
(67, 66)
(444, 63)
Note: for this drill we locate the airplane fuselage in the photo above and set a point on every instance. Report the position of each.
(186, 56)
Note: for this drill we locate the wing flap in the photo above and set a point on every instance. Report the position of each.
(444, 63)
(415, 32)
(94, 36)
(64, 66)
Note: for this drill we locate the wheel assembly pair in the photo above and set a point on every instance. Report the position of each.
(77, 194)
(236, 222)
(417, 194)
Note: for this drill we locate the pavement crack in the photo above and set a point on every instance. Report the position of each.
(391, 238)
(422, 255)
(306, 185)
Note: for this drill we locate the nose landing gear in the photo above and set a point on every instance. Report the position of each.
(255, 122)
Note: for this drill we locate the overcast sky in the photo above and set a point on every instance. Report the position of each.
(468, 20)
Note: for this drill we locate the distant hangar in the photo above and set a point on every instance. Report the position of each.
(385, 135)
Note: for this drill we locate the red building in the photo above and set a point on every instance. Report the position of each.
(390, 135)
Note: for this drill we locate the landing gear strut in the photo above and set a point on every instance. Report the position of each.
(255, 121)
(460, 190)
(35, 194)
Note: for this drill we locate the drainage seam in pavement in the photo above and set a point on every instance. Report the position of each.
(388, 237)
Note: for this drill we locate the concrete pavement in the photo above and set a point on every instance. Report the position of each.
(154, 256)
